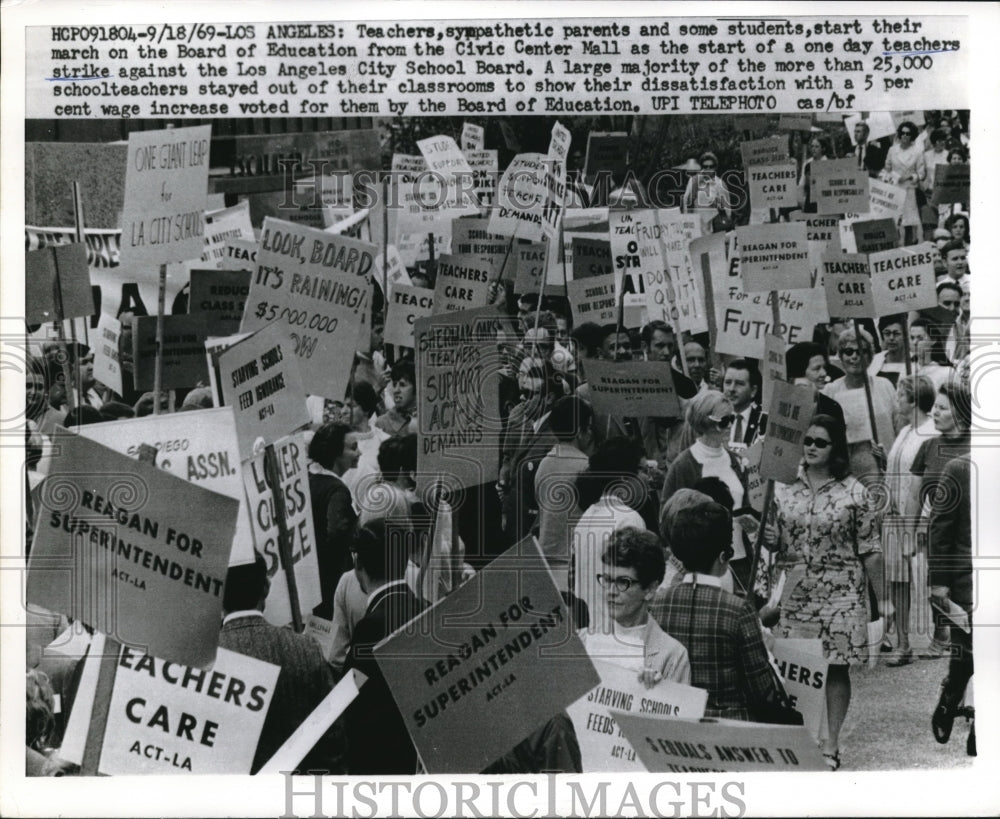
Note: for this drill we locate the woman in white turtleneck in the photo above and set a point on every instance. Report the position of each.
(710, 415)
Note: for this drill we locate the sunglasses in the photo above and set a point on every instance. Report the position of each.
(819, 443)
(850, 352)
(622, 584)
(708, 167)
(724, 421)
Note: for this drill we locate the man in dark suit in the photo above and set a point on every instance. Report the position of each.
(378, 741)
(741, 384)
(869, 155)
(305, 677)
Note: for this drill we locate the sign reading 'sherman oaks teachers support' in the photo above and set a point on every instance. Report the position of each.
(166, 184)
(132, 551)
(459, 393)
(499, 653)
(165, 718)
(318, 286)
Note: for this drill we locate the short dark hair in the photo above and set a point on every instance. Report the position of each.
(958, 217)
(961, 401)
(700, 534)
(925, 392)
(798, 356)
(750, 368)
(115, 410)
(888, 321)
(954, 244)
(654, 326)
(840, 459)
(327, 444)
(81, 415)
(570, 415)
(403, 369)
(907, 127)
(588, 337)
(947, 284)
(938, 135)
(397, 455)
(383, 549)
(717, 490)
(638, 549)
(614, 459)
(363, 394)
(246, 585)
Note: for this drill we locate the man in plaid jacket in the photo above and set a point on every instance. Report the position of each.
(720, 631)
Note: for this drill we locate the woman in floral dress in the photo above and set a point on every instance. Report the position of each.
(826, 537)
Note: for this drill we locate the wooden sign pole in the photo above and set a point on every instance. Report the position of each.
(161, 303)
(71, 396)
(284, 542)
(868, 388)
(910, 369)
(81, 237)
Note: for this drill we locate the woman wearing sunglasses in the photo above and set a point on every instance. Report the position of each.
(631, 570)
(825, 525)
(705, 189)
(710, 416)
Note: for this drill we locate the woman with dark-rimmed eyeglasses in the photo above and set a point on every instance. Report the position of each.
(826, 531)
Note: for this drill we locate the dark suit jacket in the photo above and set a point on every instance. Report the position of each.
(334, 521)
(378, 742)
(950, 542)
(305, 679)
(756, 424)
(873, 157)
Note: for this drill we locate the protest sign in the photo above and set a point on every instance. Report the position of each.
(559, 144)
(885, 200)
(555, 199)
(415, 248)
(529, 261)
(632, 388)
(880, 124)
(351, 224)
(198, 446)
(951, 184)
(485, 167)
(107, 365)
(406, 305)
(839, 186)
(220, 297)
(166, 183)
(768, 151)
(470, 236)
(774, 257)
(132, 551)
(390, 271)
(821, 229)
(239, 254)
(473, 137)
(625, 253)
(685, 746)
(488, 654)
(293, 481)
(653, 266)
(593, 299)
(521, 196)
(803, 674)
(63, 267)
(462, 283)
(773, 186)
(847, 281)
(283, 204)
(183, 351)
(607, 152)
(214, 347)
(591, 257)
(756, 483)
(873, 235)
(222, 226)
(903, 279)
(688, 312)
(459, 393)
(261, 381)
(774, 367)
(443, 157)
(742, 320)
(317, 285)
(795, 122)
(602, 745)
(791, 409)
(164, 718)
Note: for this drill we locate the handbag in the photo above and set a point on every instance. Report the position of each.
(778, 710)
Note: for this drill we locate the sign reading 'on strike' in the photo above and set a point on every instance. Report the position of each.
(166, 185)
(318, 286)
(130, 550)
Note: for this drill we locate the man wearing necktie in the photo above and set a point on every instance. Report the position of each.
(870, 156)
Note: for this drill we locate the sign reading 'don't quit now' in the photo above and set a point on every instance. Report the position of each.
(132, 551)
(262, 383)
(499, 653)
(166, 186)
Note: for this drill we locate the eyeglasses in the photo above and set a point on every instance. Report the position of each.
(948, 303)
(850, 352)
(819, 443)
(724, 421)
(622, 584)
(708, 167)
